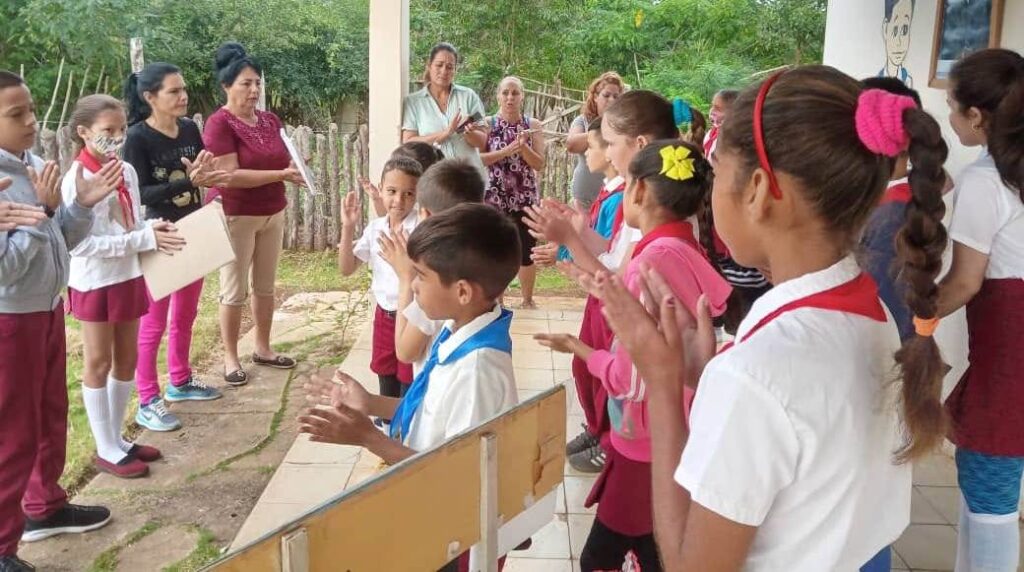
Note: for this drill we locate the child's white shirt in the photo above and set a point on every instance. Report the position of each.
(109, 255)
(466, 392)
(384, 281)
(793, 431)
(625, 238)
(417, 318)
(989, 217)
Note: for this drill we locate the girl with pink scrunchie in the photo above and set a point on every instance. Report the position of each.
(797, 455)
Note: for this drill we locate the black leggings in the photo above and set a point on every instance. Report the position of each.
(607, 549)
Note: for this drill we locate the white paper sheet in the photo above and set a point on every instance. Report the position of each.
(300, 163)
(207, 248)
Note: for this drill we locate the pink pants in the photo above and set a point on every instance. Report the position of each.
(33, 420)
(183, 306)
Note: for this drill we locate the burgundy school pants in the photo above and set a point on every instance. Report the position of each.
(33, 420)
(590, 392)
(383, 360)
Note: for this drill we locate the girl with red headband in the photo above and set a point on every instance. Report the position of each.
(986, 102)
(106, 292)
(796, 455)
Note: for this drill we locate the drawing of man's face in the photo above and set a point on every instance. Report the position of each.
(896, 31)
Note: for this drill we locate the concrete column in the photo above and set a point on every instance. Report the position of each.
(389, 78)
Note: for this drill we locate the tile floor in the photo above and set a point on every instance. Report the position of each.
(312, 473)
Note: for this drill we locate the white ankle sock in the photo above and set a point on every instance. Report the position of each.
(963, 539)
(119, 393)
(994, 542)
(97, 408)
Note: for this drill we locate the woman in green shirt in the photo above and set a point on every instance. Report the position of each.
(438, 113)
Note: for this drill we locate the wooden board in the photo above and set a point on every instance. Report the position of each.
(422, 512)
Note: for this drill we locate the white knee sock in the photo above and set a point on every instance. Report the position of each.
(994, 542)
(119, 393)
(963, 540)
(97, 408)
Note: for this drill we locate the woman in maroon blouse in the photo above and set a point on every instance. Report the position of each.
(247, 144)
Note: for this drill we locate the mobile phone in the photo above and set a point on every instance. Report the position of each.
(475, 118)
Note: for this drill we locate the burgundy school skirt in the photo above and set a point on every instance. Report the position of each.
(121, 302)
(590, 392)
(623, 495)
(987, 404)
(383, 360)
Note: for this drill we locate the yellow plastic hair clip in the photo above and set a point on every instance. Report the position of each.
(676, 163)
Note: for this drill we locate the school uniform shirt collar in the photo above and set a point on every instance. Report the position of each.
(446, 347)
(614, 182)
(838, 274)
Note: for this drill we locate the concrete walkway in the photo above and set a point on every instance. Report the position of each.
(312, 473)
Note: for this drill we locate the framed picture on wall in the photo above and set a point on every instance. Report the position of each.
(961, 27)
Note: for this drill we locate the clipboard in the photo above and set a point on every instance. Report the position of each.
(207, 248)
(300, 163)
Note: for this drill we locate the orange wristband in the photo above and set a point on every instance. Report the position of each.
(925, 326)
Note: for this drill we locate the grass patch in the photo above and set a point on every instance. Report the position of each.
(206, 551)
(107, 561)
(297, 272)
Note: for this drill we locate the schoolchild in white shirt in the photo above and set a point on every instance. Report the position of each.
(447, 184)
(106, 291)
(398, 193)
(798, 446)
(986, 101)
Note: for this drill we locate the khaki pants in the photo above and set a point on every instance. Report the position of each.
(257, 243)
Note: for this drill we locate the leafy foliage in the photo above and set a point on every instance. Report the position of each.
(315, 51)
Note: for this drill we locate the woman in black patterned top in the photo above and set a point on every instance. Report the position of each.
(166, 150)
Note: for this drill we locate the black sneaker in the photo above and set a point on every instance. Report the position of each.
(72, 518)
(589, 460)
(582, 441)
(14, 564)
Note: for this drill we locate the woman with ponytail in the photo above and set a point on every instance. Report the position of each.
(986, 101)
(166, 150)
(794, 441)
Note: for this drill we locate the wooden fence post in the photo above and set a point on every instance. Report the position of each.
(65, 148)
(333, 196)
(320, 224)
(135, 52)
(292, 213)
(306, 233)
(348, 182)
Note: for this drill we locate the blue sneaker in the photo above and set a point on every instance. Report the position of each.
(155, 417)
(193, 390)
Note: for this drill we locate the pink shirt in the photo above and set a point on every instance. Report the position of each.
(677, 258)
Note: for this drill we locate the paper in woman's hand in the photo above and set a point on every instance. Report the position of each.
(300, 162)
(207, 248)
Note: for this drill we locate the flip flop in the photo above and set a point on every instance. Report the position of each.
(236, 378)
(279, 362)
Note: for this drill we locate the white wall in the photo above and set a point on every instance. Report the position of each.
(854, 44)
(389, 78)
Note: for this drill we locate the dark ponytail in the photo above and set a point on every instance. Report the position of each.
(149, 80)
(843, 180)
(919, 245)
(690, 197)
(698, 128)
(992, 80)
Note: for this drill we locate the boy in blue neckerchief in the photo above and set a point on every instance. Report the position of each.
(464, 258)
